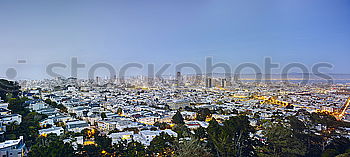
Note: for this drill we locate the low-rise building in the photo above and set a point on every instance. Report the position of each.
(77, 126)
(4, 111)
(7, 119)
(38, 106)
(53, 130)
(13, 148)
(45, 122)
(118, 137)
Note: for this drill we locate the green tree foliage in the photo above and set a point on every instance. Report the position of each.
(162, 145)
(103, 147)
(104, 142)
(282, 142)
(329, 153)
(134, 149)
(103, 115)
(119, 111)
(318, 144)
(18, 105)
(89, 151)
(232, 138)
(11, 129)
(337, 146)
(53, 104)
(29, 127)
(8, 88)
(202, 114)
(162, 125)
(296, 125)
(182, 130)
(344, 155)
(51, 146)
(30, 122)
(192, 148)
(178, 119)
(324, 119)
(200, 133)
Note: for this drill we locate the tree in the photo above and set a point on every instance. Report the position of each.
(18, 105)
(182, 130)
(120, 111)
(135, 149)
(11, 130)
(232, 138)
(329, 153)
(51, 146)
(103, 147)
(8, 88)
(162, 145)
(344, 155)
(89, 150)
(337, 146)
(192, 148)
(282, 142)
(103, 115)
(53, 104)
(177, 118)
(202, 114)
(200, 133)
(28, 128)
(74, 115)
(104, 142)
(120, 148)
(162, 125)
(89, 133)
(296, 125)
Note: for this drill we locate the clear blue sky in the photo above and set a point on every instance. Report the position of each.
(164, 31)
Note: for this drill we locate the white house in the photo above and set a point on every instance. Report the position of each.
(121, 125)
(46, 121)
(38, 106)
(54, 130)
(13, 148)
(77, 126)
(4, 105)
(7, 119)
(150, 120)
(117, 137)
(4, 111)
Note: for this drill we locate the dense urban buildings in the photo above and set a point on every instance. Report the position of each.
(79, 114)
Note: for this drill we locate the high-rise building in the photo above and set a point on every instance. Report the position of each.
(223, 83)
(97, 80)
(178, 78)
(208, 82)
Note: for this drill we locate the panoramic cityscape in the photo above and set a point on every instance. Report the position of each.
(202, 78)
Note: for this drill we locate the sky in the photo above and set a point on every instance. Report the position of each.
(117, 32)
